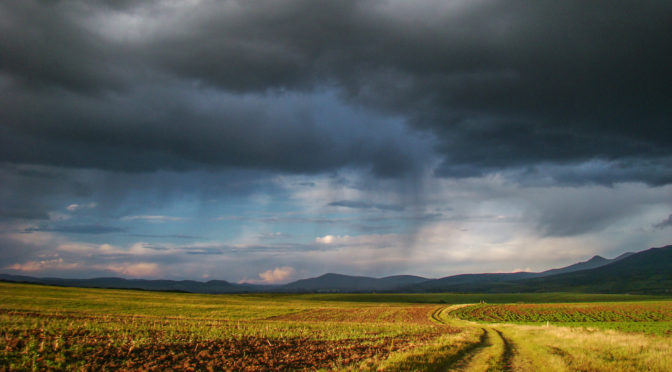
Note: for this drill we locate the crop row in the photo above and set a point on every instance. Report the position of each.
(43, 328)
(660, 311)
(89, 351)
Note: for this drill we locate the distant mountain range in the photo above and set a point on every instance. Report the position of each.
(345, 283)
(648, 271)
(501, 282)
(212, 286)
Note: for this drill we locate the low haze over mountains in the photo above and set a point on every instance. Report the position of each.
(648, 271)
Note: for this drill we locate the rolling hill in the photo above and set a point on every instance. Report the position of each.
(484, 282)
(345, 283)
(212, 286)
(595, 262)
(648, 271)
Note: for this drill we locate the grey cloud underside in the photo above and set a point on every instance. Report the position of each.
(665, 223)
(165, 236)
(175, 131)
(357, 204)
(497, 85)
(33, 192)
(78, 229)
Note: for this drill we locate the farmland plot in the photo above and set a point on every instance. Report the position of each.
(68, 328)
(54, 328)
(583, 346)
(648, 316)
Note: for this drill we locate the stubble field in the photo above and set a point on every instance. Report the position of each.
(55, 328)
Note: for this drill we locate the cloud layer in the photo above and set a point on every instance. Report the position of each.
(273, 140)
(305, 86)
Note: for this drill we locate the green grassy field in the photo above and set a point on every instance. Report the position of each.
(61, 328)
(653, 317)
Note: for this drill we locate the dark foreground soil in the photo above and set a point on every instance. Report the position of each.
(89, 352)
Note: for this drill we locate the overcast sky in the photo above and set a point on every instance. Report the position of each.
(267, 141)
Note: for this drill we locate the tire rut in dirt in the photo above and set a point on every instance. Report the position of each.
(506, 360)
(436, 315)
(463, 359)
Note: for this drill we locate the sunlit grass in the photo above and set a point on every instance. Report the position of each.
(653, 317)
(576, 349)
(45, 327)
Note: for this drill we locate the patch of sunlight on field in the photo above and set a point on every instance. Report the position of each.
(68, 328)
(661, 328)
(470, 298)
(44, 327)
(577, 349)
(653, 317)
(438, 355)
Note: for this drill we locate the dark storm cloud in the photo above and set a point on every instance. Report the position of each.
(32, 192)
(175, 131)
(46, 44)
(665, 223)
(499, 84)
(24, 213)
(103, 196)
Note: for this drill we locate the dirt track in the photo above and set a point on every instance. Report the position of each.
(493, 352)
